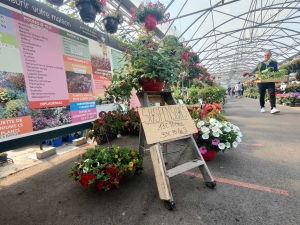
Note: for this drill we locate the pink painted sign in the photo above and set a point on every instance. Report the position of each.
(134, 100)
(42, 61)
(83, 115)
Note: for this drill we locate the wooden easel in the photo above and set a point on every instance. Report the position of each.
(162, 175)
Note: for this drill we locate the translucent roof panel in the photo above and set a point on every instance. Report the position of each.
(230, 36)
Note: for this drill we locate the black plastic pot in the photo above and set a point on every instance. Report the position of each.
(87, 12)
(111, 24)
(56, 2)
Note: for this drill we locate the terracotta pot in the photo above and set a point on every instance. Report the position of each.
(111, 24)
(150, 85)
(150, 22)
(87, 12)
(209, 155)
(56, 2)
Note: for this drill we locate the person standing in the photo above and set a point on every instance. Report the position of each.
(262, 87)
(238, 88)
(243, 88)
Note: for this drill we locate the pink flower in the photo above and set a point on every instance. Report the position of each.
(130, 24)
(103, 2)
(196, 136)
(132, 10)
(202, 150)
(215, 142)
(199, 129)
(150, 4)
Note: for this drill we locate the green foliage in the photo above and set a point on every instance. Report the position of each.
(13, 108)
(148, 59)
(4, 95)
(193, 95)
(114, 14)
(211, 94)
(292, 66)
(292, 87)
(269, 72)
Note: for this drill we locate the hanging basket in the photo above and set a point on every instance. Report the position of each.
(87, 11)
(150, 22)
(56, 2)
(111, 24)
(150, 85)
(185, 56)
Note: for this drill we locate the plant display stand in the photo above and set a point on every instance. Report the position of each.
(162, 175)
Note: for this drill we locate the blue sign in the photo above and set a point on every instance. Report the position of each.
(74, 106)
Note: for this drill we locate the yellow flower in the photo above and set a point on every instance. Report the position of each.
(116, 156)
(132, 153)
(131, 164)
(130, 168)
(119, 160)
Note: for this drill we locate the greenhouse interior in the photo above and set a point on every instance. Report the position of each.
(144, 111)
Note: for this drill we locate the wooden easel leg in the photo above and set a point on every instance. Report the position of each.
(141, 141)
(161, 178)
(209, 181)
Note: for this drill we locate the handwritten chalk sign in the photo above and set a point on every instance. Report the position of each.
(166, 122)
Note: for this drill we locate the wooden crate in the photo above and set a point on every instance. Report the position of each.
(276, 80)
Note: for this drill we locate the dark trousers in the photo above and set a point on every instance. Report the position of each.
(262, 87)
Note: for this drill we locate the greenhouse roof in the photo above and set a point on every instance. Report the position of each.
(230, 36)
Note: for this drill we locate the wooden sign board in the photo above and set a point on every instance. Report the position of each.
(163, 123)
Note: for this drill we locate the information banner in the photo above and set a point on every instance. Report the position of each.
(51, 68)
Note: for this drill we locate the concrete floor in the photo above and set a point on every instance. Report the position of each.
(257, 183)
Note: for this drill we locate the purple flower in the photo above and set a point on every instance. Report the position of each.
(215, 142)
(202, 150)
(196, 136)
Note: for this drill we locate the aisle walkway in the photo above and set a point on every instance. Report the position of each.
(257, 183)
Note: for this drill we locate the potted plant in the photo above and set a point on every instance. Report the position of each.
(103, 167)
(88, 9)
(132, 123)
(150, 14)
(3, 157)
(291, 98)
(214, 136)
(56, 142)
(112, 20)
(150, 64)
(56, 2)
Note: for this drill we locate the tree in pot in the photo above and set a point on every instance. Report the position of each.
(149, 64)
(112, 20)
(150, 14)
(88, 9)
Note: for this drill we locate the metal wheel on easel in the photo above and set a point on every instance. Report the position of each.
(169, 205)
(211, 184)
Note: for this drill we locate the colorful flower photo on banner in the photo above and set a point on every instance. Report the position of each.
(50, 117)
(100, 57)
(79, 83)
(13, 97)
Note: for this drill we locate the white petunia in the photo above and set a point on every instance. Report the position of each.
(213, 120)
(205, 129)
(219, 125)
(238, 139)
(216, 134)
(200, 124)
(240, 134)
(227, 129)
(86, 160)
(221, 146)
(227, 145)
(85, 169)
(215, 129)
(205, 136)
(236, 128)
(235, 144)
